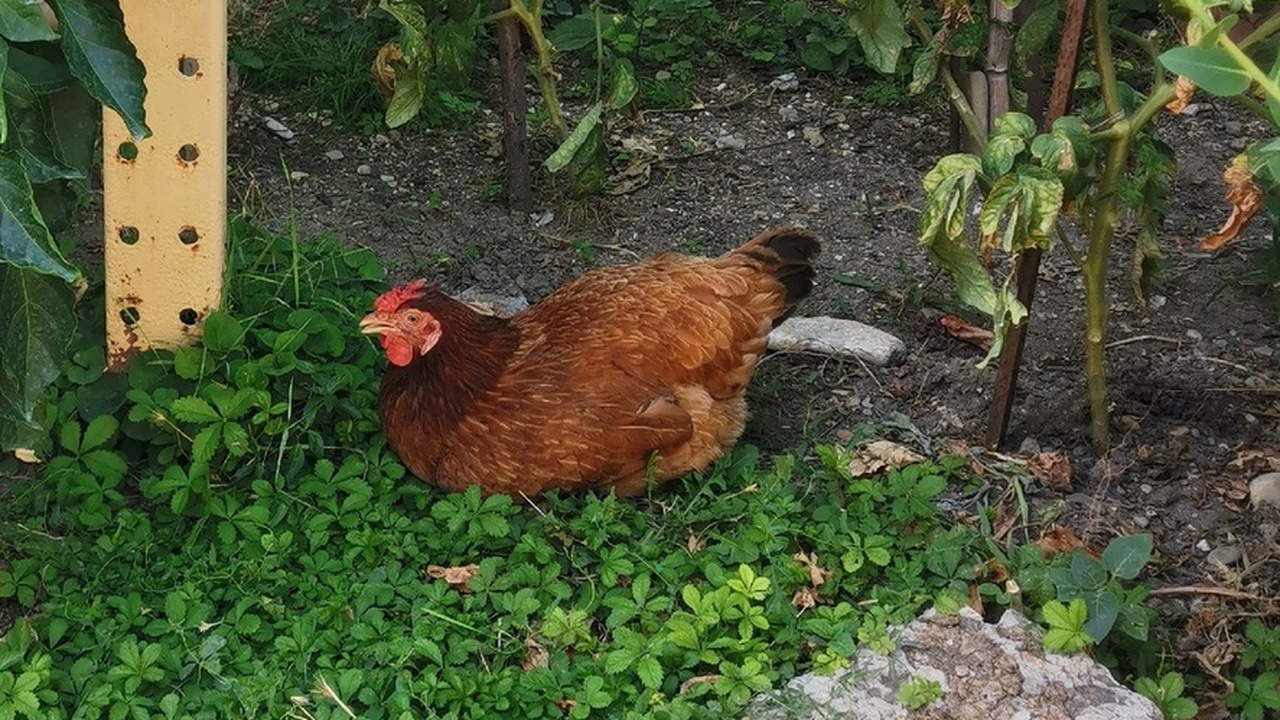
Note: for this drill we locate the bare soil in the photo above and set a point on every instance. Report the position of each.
(1193, 380)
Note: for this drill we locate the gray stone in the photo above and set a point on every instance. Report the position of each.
(1225, 555)
(987, 672)
(334, 155)
(835, 336)
(788, 115)
(364, 170)
(785, 82)
(277, 127)
(1265, 490)
(731, 142)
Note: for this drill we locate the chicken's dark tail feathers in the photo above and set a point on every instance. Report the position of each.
(789, 253)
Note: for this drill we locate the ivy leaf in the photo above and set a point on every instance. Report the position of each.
(26, 242)
(1210, 68)
(101, 57)
(22, 21)
(881, 31)
(36, 322)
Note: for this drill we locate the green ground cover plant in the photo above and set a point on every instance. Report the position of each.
(222, 532)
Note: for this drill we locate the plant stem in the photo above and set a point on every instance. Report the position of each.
(954, 93)
(1101, 232)
(532, 22)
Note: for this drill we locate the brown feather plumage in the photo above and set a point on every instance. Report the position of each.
(623, 376)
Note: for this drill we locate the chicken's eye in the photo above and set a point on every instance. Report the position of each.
(413, 317)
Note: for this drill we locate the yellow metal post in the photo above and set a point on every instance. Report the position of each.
(165, 197)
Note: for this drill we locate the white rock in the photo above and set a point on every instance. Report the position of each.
(364, 170)
(835, 336)
(296, 175)
(786, 82)
(985, 671)
(1265, 490)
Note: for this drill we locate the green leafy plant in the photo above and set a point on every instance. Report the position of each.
(1099, 585)
(1084, 162)
(48, 127)
(1254, 697)
(919, 693)
(1067, 632)
(1167, 694)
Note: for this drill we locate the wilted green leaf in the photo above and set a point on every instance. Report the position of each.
(25, 241)
(925, 69)
(36, 323)
(414, 29)
(409, 94)
(625, 86)
(1021, 210)
(972, 281)
(1014, 124)
(101, 57)
(1000, 154)
(569, 148)
(23, 21)
(947, 187)
(881, 32)
(1212, 69)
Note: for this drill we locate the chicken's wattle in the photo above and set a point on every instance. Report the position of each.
(399, 351)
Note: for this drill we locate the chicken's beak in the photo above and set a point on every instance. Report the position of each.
(374, 324)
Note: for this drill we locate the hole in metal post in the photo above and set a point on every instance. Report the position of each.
(188, 65)
(127, 151)
(130, 316)
(188, 235)
(128, 234)
(188, 316)
(188, 153)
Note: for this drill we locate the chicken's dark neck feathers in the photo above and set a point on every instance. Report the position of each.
(445, 384)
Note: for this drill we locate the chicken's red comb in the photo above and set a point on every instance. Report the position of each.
(391, 300)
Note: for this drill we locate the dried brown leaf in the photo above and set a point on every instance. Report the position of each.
(694, 544)
(965, 331)
(880, 455)
(535, 655)
(817, 573)
(1245, 198)
(1059, 539)
(384, 69)
(1257, 460)
(1052, 469)
(804, 599)
(1183, 91)
(459, 576)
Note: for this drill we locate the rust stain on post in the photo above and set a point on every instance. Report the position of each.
(162, 194)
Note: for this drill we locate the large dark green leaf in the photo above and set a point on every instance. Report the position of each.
(40, 74)
(102, 57)
(37, 320)
(22, 21)
(75, 124)
(881, 32)
(4, 70)
(575, 33)
(24, 240)
(39, 155)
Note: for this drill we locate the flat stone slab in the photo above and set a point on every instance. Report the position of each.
(982, 672)
(839, 338)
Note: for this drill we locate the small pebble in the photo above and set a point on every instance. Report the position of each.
(1203, 546)
(388, 179)
(813, 136)
(364, 170)
(1140, 521)
(334, 155)
(1145, 488)
(786, 82)
(1029, 446)
(1233, 127)
(789, 115)
(1224, 555)
(1195, 335)
(278, 128)
(298, 175)
(731, 142)
(662, 75)
(1264, 351)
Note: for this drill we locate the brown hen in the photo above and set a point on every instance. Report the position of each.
(624, 377)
